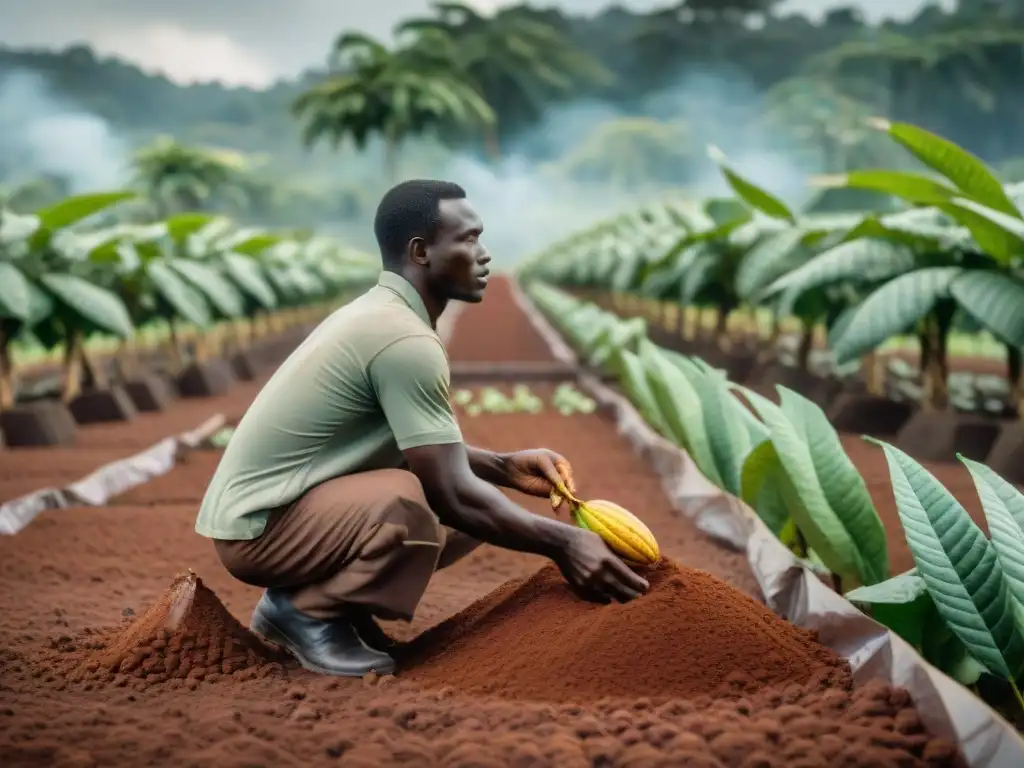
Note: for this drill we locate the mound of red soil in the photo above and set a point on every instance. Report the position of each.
(690, 635)
(187, 634)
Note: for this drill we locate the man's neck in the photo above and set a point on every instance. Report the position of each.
(433, 304)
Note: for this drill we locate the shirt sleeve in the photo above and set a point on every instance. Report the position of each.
(411, 379)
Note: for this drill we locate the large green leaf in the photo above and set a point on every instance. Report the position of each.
(807, 503)
(181, 226)
(91, 303)
(14, 292)
(73, 209)
(700, 273)
(218, 290)
(995, 300)
(906, 185)
(187, 302)
(893, 309)
(310, 286)
(965, 170)
(958, 564)
(869, 260)
(844, 488)
(16, 230)
(727, 432)
(40, 305)
(774, 256)
(1004, 510)
(250, 242)
(901, 603)
(999, 235)
(904, 605)
(756, 197)
(246, 273)
(681, 408)
(634, 381)
(760, 486)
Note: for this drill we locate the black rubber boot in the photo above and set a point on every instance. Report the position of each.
(369, 630)
(327, 647)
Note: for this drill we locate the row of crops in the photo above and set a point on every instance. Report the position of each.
(937, 256)
(77, 284)
(665, 300)
(960, 605)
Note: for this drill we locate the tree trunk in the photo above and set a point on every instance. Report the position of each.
(95, 373)
(722, 338)
(924, 343)
(669, 317)
(72, 365)
(771, 345)
(874, 373)
(127, 364)
(8, 388)
(936, 375)
(174, 347)
(803, 352)
(1015, 374)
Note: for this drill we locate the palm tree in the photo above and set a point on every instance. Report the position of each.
(512, 56)
(179, 178)
(395, 94)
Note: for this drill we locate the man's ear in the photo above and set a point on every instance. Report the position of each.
(417, 252)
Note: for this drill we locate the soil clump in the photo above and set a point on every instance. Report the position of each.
(690, 635)
(187, 634)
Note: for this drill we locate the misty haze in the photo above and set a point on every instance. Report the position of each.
(566, 161)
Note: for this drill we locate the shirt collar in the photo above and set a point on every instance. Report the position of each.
(403, 288)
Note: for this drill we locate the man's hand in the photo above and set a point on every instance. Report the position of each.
(538, 472)
(595, 573)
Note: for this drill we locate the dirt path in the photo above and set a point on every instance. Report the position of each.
(496, 331)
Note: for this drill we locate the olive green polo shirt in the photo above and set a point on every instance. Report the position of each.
(372, 380)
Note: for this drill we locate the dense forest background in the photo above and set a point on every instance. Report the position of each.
(625, 109)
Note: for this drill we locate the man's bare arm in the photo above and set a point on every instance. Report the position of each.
(488, 466)
(466, 501)
(469, 504)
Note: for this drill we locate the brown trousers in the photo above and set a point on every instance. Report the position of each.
(368, 539)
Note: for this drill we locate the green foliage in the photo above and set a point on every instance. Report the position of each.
(394, 94)
(64, 274)
(787, 463)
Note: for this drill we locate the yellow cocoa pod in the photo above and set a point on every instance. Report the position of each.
(621, 530)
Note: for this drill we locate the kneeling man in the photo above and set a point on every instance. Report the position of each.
(347, 484)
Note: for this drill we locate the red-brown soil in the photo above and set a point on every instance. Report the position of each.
(73, 576)
(496, 331)
(187, 634)
(690, 635)
(24, 470)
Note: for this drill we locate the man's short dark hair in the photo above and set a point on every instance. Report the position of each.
(410, 209)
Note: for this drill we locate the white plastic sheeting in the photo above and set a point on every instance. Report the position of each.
(110, 480)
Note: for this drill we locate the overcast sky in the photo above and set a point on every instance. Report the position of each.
(256, 41)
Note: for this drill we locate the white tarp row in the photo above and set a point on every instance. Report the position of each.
(795, 593)
(109, 481)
